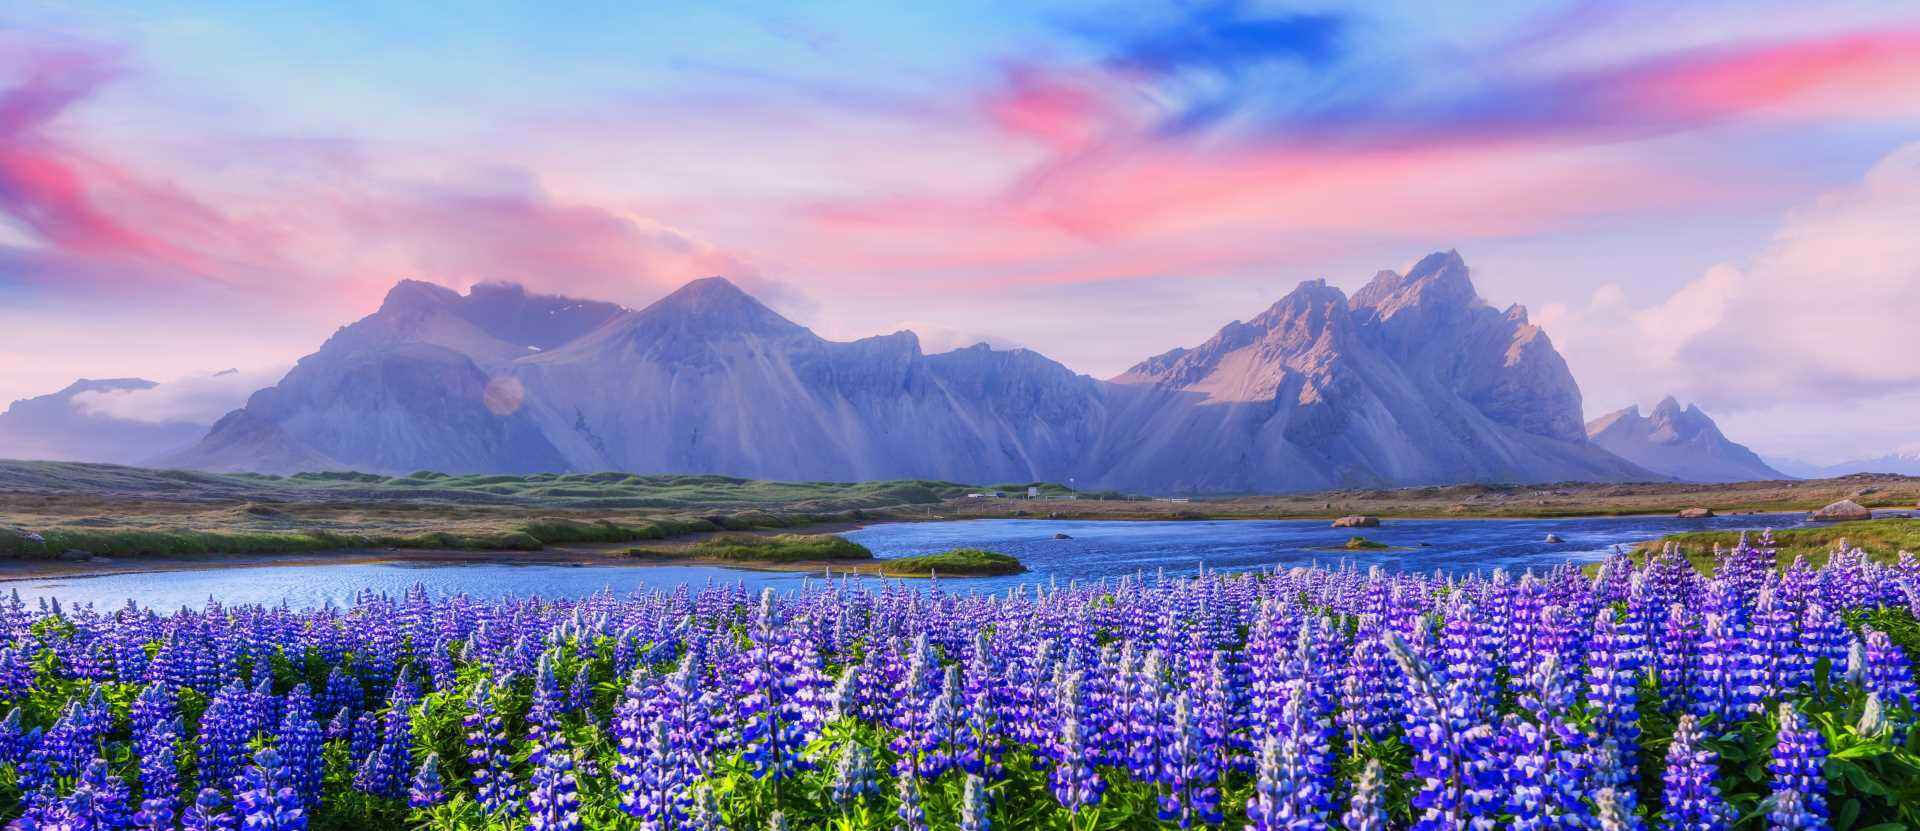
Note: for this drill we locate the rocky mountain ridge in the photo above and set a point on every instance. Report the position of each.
(1683, 443)
(1413, 380)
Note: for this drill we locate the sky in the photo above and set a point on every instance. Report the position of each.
(1711, 200)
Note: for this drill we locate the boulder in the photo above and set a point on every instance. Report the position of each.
(1554, 538)
(1845, 509)
(1356, 521)
(1695, 513)
(75, 555)
(1062, 536)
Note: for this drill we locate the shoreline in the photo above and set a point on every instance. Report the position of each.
(612, 555)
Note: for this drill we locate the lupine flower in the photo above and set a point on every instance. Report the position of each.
(912, 815)
(1075, 782)
(487, 751)
(1693, 802)
(1799, 799)
(1367, 810)
(300, 746)
(264, 800)
(209, 813)
(853, 776)
(973, 805)
(426, 791)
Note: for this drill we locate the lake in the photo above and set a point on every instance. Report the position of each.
(1098, 549)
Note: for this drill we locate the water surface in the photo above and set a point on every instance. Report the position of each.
(1096, 549)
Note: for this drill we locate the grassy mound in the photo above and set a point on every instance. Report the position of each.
(1882, 538)
(1364, 544)
(960, 562)
(778, 548)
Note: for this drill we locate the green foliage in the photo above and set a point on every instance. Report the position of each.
(778, 548)
(1883, 539)
(972, 562)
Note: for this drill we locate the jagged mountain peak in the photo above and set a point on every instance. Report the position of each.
(1440, 279)
(716, 305)
(1683, 442)
(411, 294)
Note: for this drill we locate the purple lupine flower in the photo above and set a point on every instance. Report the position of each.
(427, 791)
(853, 775)
(780, 701)
(264, 800)
(1367, 809)
(224, 731)
(973, 805)
(1799, 799)
(1188, 774)
(1451, 750)
(1074, 781)
(209, 812)
(488, 751)
(300, 746)
(1885, 672)
(1693, 802)
(1613, 686)
(383, 772)
(98, 803)
(912, 815)
(159, 776)
(553, 797)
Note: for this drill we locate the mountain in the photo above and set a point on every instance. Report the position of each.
(420, 383)
(60, 426)
(1415, 380)
(1682, 443)
(1904, 462)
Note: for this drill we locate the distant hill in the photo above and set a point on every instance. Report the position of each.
(1414, 380)
(1681, 443)
(1902, 462)
(59, 426)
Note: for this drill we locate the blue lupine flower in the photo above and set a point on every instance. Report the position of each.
(263, 798)
(1692, 800)
(427, 790)
(1799, 799)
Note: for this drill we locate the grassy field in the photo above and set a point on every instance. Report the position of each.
(777, 548)
(1566, 499)
(960, 562)
(1883, 539)
(55, 509)
(51, 509)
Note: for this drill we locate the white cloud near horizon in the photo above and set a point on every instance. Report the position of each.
(1828, 312)
(195, 399)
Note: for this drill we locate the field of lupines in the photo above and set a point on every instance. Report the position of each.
(1644, 696)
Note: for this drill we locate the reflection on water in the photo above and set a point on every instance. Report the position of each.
(1096, 550)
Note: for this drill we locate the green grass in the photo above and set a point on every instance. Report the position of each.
(778, 548)
(967, 562)
(1882, 539)
(1364, 544)
(118, 542)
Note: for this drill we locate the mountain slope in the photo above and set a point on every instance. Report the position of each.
(1414, 380)
(1903, 462)
(58, 426)
(708, 379)
(1682, 443)
(417, 384)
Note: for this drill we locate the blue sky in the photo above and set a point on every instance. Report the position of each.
(1668, 187)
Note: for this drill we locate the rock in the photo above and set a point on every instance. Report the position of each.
(1356, 521)
(1554, 538)
(1695, 513)
(1845, 509)
(1062, 537)
(75, 555)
